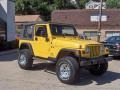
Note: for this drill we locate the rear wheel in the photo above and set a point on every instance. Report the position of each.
(99, 69)
(67, 70)
(25, 60)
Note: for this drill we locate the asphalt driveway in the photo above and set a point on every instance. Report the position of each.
(14, 78)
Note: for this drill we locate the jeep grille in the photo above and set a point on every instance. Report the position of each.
(94, 50)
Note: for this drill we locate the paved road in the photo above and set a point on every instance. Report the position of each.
(13, 78)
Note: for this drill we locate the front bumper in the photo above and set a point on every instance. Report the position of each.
(114, 53)
(93, 61)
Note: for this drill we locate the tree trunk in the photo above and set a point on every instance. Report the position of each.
(78, 3)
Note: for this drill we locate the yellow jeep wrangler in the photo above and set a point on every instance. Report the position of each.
(61, 44)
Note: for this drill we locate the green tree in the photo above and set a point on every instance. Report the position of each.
(64, 4)
(113, 3)
(23, 6)
(42, 7)
(82, 3)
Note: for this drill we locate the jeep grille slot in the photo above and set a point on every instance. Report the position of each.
(94, 51)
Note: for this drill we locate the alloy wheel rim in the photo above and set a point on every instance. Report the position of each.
(22, 59)
(65, 71)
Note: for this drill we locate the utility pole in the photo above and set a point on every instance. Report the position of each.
(100, 20)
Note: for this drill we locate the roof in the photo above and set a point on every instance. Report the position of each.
(81, 18)
(33, 23)
(27, 18)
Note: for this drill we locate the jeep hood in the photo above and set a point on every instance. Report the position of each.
(72, 42)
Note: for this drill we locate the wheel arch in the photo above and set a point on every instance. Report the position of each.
(70, 52)
(26, 46)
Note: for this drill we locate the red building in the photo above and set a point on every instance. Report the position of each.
(83, 23)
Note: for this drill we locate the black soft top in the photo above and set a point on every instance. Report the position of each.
(33, 23)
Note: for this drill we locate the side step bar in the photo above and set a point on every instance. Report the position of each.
(44, 60)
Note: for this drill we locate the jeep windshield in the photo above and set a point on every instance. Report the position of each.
(63, 30)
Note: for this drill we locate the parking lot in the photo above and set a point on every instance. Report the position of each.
(13, 78)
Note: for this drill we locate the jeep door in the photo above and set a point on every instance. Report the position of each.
(41, 44)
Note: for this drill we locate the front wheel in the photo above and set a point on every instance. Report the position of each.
(25, 60)
(99, 69)
(67, 70)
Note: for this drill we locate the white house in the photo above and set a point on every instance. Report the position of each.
(7, 19)
(94, 5)
(73, 1)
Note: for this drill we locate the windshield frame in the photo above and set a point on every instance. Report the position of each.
(64, 25)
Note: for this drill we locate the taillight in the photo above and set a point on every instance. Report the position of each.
(118, 46)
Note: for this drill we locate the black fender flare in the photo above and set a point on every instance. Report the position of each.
(76, 53)
(26, 46)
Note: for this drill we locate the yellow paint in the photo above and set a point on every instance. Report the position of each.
(51, 48)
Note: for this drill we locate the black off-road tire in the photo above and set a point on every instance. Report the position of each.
(99, 69)
(74, 69)
(28, 62)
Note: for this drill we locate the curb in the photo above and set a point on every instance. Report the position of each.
(9, 52)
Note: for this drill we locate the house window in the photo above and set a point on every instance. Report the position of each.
(90, 34)
(112, 33)
(20, 26)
